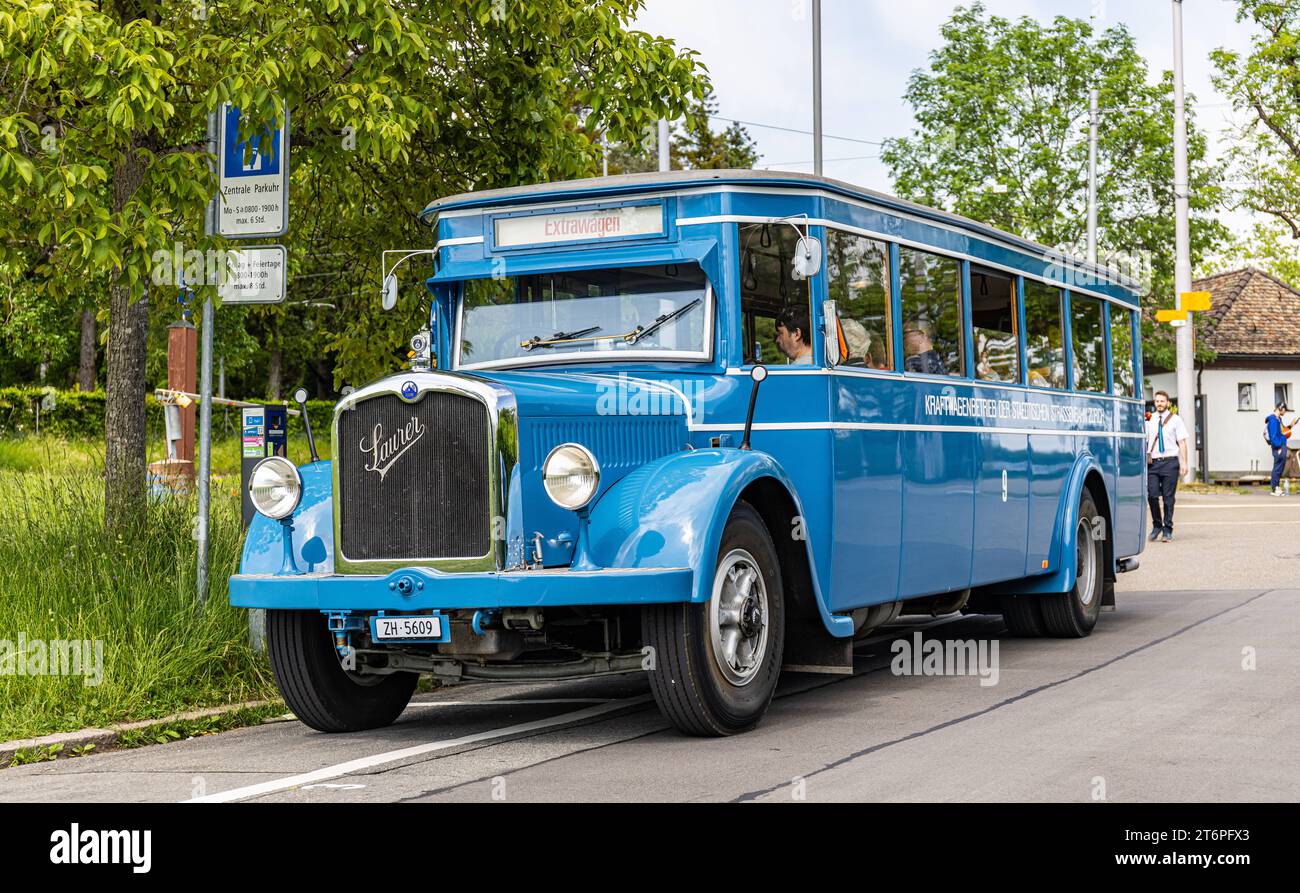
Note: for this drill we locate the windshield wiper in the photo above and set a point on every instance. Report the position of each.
(558, 338)
(638, 333)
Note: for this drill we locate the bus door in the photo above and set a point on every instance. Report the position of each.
(1001, 460)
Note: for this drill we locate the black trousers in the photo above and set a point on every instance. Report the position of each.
(1162, 483)
(1279, 463)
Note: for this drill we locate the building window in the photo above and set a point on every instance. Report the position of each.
(932, 324)
(993, 317)
(1282, 394)
(857, 278)
(1246, 397)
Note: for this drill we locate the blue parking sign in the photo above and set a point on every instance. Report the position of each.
(253, 178)
(265, 154)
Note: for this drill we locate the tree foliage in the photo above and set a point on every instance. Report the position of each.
(1269, 246)
(103, 161)
(1001, 137)
(1264, 85)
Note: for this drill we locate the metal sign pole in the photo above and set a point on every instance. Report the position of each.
(205, 450)
(203, 478)
(817, 85)
(1092, 175)
(1184, 344)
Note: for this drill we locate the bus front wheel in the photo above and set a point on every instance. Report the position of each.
(713, 666)
(317, 688)
(1073, 614)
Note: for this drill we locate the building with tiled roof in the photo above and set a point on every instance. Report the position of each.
(1253, 327)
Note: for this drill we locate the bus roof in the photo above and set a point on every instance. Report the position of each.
(632, 184)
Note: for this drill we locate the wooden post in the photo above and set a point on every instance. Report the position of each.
(182, 366)
(177, 475)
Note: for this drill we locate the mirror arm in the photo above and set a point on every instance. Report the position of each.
(390, 273)
(757, 375)
(306, 421)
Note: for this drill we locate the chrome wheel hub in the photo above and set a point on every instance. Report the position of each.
(1085, 562)
(738, 615)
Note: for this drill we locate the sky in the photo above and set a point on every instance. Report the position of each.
(759, 55)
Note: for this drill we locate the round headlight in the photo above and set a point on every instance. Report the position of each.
(275, 487)
(570, 475)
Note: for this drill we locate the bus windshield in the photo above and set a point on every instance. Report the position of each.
(658, 312)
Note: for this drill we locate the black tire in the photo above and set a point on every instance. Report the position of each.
(317, 688)
(688, 681)
(1023, 616)
(1073, 614)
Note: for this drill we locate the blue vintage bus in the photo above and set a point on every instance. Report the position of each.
(705, 425)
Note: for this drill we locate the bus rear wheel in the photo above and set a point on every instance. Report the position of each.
(714, 666)
(1023, 615)
(1073, 614)
(316, 687)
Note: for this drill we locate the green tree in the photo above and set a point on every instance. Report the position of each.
(103, 161)
(1264, 84)
(1269, 245)
(1001, 136)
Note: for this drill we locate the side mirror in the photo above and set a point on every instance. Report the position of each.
(831, 333)
(807, 259)
(390, 292)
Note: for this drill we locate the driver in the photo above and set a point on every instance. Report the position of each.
(792, 334)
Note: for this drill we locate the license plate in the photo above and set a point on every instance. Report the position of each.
(408, 628)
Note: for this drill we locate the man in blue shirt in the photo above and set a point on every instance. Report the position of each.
(1277, 443)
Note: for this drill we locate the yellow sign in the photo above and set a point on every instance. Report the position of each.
(1195, 300)
(1171, 315)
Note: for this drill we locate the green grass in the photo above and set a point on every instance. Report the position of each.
(62, 578)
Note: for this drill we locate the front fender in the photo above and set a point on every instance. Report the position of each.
(313, 529)
(671, 512)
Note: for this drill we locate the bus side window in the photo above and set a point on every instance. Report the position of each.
(1121, 350)
(769, 294)
(993, 317)
(1044, 346)
(1087, 339)
(857, 275)
(930, 286)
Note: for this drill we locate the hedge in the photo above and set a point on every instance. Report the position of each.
(80, 414)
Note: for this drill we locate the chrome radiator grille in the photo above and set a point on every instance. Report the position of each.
(414, 478)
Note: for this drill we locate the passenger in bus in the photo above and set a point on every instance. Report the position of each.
(857, 341)
(792, 334)
(919, 354)
(878, 358)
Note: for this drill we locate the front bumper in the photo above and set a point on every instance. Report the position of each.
(419, 588)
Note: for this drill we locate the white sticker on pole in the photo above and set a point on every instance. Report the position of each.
(253, 178)
(255, 275)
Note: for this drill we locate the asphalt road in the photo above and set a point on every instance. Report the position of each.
(1182, 694)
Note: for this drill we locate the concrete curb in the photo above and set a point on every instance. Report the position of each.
(104, 737)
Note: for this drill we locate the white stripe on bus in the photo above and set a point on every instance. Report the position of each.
(889, 426)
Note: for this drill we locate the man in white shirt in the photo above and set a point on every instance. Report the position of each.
(1166, 438)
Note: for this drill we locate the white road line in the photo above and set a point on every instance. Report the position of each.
(1233, 523)
(392, 756)
(523, 701)
(1222, 506)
